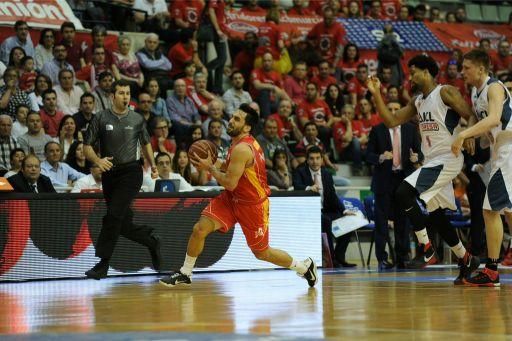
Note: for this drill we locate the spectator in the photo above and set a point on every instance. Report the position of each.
(182, 111)
(90, 182)
(76, 158)
(375, 11)
(68, 134)
(251, 7)
(420, 12)
(53, 67)
(144, 108)
(354, 10)
(151, 15)
(7, 143)
(164, 169)
(60, 173)
(452, 77)
(43, 83)
(98, 34)
(68, 94)
(450, 18)
(485, 44)
(347, 145)
(299, 9)
(21, 39)
(324, 78)
(435, 15)
(357, 85)
(236, 95)
(460, 15)
(393, 94)
(367, 115)
(16, 157)
(153, 63)
(287, 129)
(11, 95)
(217, 17)
(126, 65)
(280, 175)
(44, 50)
(389, 54)
(200, 95)
(158, 107)
(334, 99)
(244, 60)
(385, 78)
(28, 74)
(313, 177)
(295, 85)
(404, 14)
(84, 116)
(329, 37)
(19, 127)
(102, 93)
(50, 116)
(182, 166)
(187, 13)
(502, 61)
(15, 57)
(74, 55)
(90, 73)
(30, 179)
(311, 139)
(267, 86)
(160, 139)
(215, 134)
(195, 133)
(270, 39)
(184, 51)
(215, 112)
(188, 77)
(34, 140)
(348, 63)
(270, 142)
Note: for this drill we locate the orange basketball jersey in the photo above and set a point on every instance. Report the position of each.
(252, 186)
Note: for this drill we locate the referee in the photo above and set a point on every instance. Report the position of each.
(121, 133)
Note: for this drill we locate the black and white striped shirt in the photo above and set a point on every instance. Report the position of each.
(6, 145)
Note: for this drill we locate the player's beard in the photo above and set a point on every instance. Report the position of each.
(233, 132)
(414, 88)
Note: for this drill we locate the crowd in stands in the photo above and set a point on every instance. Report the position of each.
(309, 89)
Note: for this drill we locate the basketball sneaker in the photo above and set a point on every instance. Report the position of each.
(467, 265)
(311, 274)
(507, 259)
(485, 278)
(428, 257)
(175, 279)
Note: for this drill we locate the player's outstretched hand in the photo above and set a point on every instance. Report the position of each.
(469, 145)
(457, 145)
(373, 84)
(202, 164)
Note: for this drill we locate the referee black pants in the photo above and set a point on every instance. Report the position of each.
(120, 186)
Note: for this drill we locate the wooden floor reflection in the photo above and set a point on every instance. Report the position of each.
(367, 305)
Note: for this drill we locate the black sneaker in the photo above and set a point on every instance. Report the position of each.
(428, 257)
(156, 255)
(311, 274)
(485, 278)
(175, 279)
(98, 272)
(467, 265)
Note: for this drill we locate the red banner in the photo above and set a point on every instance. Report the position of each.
(466, 36)
(38, 13)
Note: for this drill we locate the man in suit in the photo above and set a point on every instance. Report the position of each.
(313, 177)
(30, 179)
(394, 153)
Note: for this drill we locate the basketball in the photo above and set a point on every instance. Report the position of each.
(201, 148)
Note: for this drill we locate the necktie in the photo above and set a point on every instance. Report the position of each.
(396, 148)
(34, 188)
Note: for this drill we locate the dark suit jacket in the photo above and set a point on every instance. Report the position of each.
(379, 142)
(302, 178)
(20, 184)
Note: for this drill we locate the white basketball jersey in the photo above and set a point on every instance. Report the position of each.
(480, 103)
(438, 124)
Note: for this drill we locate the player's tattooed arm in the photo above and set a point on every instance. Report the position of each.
(453, 98)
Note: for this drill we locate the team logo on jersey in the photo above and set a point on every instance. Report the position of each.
(427, 123)
(259, 232)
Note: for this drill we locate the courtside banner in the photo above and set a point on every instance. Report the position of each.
(466, 36)
(53, 235)
(38, 13)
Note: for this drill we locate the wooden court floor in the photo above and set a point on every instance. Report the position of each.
(349, 305)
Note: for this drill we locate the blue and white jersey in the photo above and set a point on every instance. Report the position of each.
(438, 124)
(480, 102)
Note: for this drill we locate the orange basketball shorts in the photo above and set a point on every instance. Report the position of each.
(253, 218)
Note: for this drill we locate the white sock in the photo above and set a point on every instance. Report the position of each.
(298, 266)
(422, 236)
(188, 265)
(459, 250)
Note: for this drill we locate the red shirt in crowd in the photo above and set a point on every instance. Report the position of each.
(75, 52)
(296, 89)
(168, 144)
(317, 111)
(500, 63)
(456, 82)
(179, 55)
(190, 85)
(317, 6)
(338, 131)
(219, 8)
(323, 83)
(369, 123)
(355, 87)
(270, 77)
(269, 34)
(51, 123)
(283, 127)
(390, 9)
(27, 81)
(328, 38)
(357, 128)
(199, 100)
(349, 68)
(187, 10)
(299, 10)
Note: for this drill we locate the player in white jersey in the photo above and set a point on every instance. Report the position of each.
(438, 109)
(493, 108)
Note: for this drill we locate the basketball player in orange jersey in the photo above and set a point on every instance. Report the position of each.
(245, 200)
